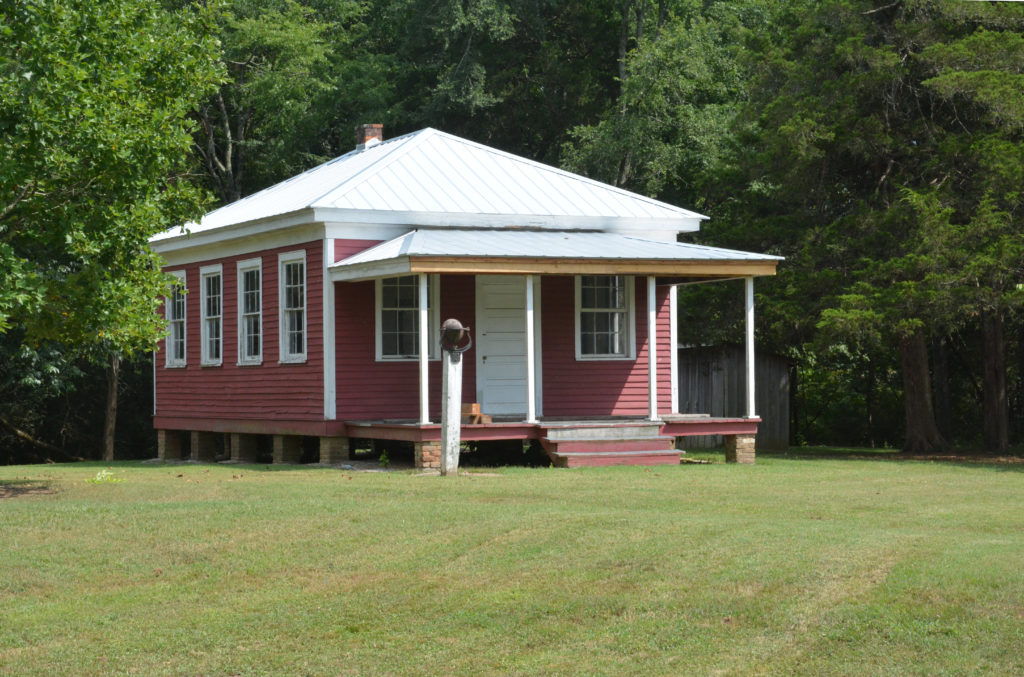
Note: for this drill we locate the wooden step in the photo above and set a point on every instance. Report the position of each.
(630, 430)
(608, 458)
(605, 445)
(580, 452)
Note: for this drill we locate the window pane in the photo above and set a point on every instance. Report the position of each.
(399, 316)
(603, 315)
(408, 297)
(407, 321)
(587, 297)
(407, 343)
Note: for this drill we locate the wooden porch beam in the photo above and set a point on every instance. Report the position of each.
(539, 266)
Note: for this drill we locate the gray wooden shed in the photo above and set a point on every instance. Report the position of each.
(712, 381)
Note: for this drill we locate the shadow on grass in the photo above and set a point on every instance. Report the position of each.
(19, 488)
(1004, 463)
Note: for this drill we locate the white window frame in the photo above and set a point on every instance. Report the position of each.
(206, 358)
(286, 357)
(244, 267)
(169, 359)
(630, 338)
(433, 320)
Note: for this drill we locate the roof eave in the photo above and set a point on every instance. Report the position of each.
(682, 223)
(506, 265)
(199, 238)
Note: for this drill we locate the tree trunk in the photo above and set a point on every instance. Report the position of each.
(794, 407)
(940, 387)
(110, 421)
(869, 401)
(923, 436)
(995, 425)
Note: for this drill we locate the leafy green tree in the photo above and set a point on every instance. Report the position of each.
(265, 122)
(880, 148)
(94, 106)
(683, 76)
(95, 101)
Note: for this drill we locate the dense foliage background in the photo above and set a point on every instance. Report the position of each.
(875, 144)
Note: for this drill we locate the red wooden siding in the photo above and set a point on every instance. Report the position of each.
(270, 391)
(612, 387)
(368, 389)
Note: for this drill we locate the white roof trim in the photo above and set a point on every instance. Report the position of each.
(395, 257)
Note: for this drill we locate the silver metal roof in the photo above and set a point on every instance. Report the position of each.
(430, 178)
(393, 257)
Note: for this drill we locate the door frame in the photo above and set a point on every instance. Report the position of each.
(538, 359)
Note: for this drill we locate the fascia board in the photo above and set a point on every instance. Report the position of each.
(405, 265)
(468, 220)
(199, 238)
(370, 270)
(242, 244)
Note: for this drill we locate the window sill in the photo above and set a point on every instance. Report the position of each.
(292, 360)
(250, 363)
(176, 365)
(606, 358)
(407, 359)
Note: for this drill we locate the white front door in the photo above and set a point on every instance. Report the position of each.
(500, 335)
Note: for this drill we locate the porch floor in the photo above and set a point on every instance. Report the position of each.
(575, 441)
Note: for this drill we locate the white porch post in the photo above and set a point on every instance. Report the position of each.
(673, 342)
(330, 369)
(424, 352)
(652, 350)
(531, 375)
(749, 284)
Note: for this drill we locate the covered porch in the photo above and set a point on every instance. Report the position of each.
(578, 443)
(594, 387)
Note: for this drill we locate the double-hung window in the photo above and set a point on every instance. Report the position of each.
(250, 311)
(211, 281)
(292, 295)
(605, 328)
(398, 317)
(174, 311)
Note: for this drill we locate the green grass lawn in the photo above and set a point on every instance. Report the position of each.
(790, 566)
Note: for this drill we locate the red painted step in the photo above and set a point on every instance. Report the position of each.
(574, 453)
(590, 445)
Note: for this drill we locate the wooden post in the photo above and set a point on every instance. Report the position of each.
(749, 287)
(424, 352)
(652, 350)
(531, 374)
(451, 412)
(329, 319)
(673, 344)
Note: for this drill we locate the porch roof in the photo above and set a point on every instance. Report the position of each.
(531, 252)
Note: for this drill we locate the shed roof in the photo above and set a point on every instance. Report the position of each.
(546, 252)
(430, 178)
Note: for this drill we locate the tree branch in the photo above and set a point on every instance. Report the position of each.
(882, 8)
(18, 198)
(35, 442)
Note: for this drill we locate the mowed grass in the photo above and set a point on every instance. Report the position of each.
(785, 567)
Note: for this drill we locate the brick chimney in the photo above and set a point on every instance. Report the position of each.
(369, 135)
